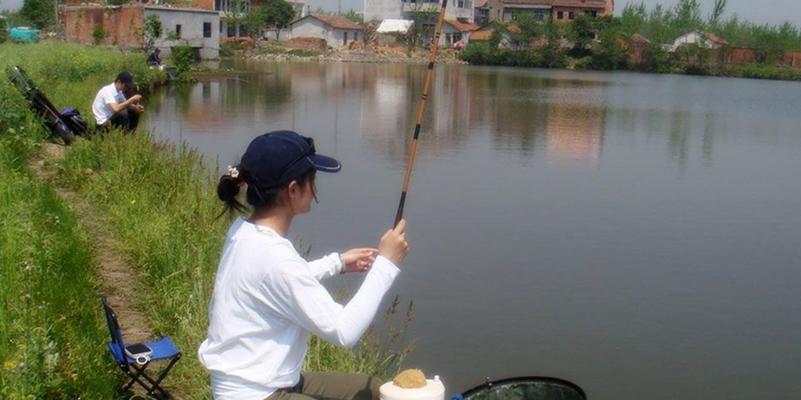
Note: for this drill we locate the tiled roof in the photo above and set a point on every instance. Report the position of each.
(579, 3)
(337, 22)
(480, 36)
(462, 26)
(529, 2)
(716, 39)
(480, 3)
(558, 3)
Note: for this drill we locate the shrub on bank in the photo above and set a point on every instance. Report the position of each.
(544, 57)
(182, 59)
(756, 71)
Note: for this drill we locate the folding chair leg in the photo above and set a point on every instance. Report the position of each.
(152, 385)
(163, 375)
(135, 376)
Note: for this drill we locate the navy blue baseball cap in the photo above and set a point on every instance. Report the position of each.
(279, 157)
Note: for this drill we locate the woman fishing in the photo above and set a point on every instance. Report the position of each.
(267, 298)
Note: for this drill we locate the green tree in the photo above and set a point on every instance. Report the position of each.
(529, 29)
(717, 13)
(609, 53)
(3, 27)
(40, 13)
(253, 21)
(278, 14)
(687, 16)
(552, 54)
(581, 32)
(422, 29)
(153, 30)
(237, 13)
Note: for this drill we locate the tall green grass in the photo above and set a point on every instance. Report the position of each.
(52, 337)
(52, 332)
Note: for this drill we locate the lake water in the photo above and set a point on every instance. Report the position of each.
(639, 235)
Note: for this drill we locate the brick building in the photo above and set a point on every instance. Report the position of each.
(123, 26)
(556, 10)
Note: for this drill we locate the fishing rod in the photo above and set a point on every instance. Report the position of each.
(420, 113)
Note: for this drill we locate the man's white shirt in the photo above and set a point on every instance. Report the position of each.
(101, 107)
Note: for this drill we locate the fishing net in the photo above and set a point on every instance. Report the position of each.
(526, 388)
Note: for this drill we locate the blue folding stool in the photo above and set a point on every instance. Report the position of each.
(162, 349)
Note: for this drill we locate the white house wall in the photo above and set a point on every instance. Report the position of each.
(338, 36)
(311, 27)
(396, 9)
(191, 30)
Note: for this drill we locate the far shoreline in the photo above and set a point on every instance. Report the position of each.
(451, 57)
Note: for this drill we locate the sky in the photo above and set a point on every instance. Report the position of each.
(762, 11)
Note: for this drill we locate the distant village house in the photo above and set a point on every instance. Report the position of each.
(123, 26)
(456, 31)
(379, 10)
(703, 40)
(556, 10)
(336, 30)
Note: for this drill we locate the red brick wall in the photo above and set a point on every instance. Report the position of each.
(741, 56)
(792, 59)
(123, 26)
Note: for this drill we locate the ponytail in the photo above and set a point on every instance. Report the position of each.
(228, 189)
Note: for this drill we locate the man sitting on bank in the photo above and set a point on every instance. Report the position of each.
(111, 107)
(154, 58)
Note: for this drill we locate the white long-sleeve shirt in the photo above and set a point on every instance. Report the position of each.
(266, 300)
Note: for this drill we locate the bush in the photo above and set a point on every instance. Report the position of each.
(583, 63)
(183, 58)
(3, 30)
(40, 13)
(609, 54)
(153, 30)
(475, 53)
(303, 53)
(762, 72)
(98, 34)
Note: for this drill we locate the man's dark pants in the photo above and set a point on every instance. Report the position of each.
(126, 120)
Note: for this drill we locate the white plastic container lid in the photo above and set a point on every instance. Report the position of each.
(433, 390)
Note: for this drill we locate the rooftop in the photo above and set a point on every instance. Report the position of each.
(336, 21)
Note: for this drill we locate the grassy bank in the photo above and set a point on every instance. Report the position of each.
(162, 209)
(52, 332)
(52, 337)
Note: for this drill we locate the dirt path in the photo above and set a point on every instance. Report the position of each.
(117, 276)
